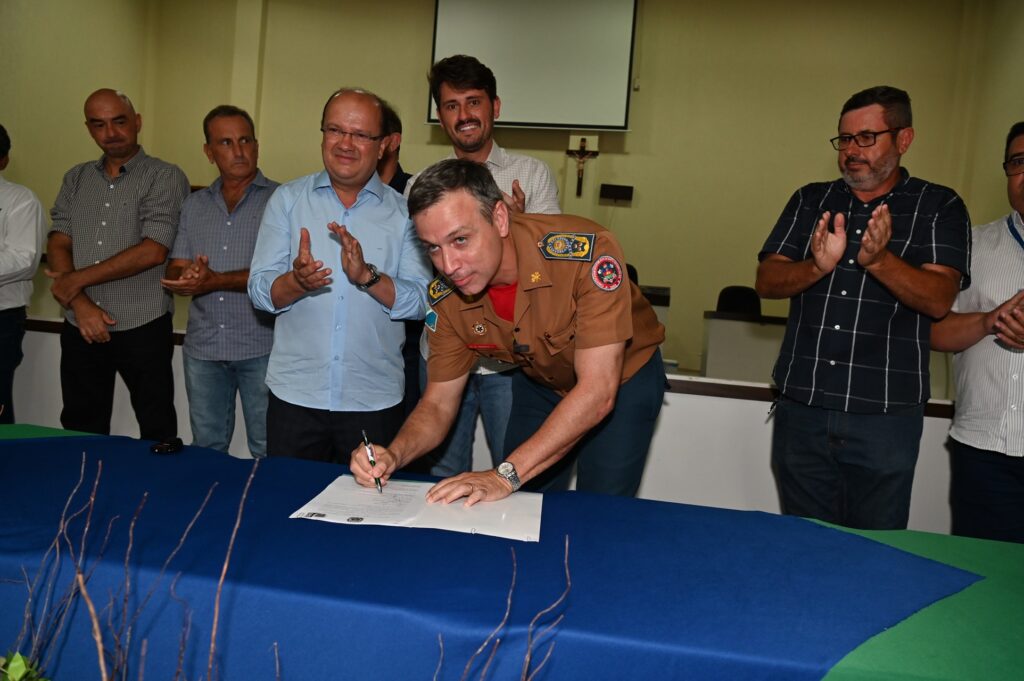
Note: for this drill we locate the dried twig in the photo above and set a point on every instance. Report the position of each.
(52, 549)
(97, 635)
(501, 624)
(490, 658)
(440, 661)
(530, 642)
(224, 571)
(142, 658)
(172, 554)
(186, 626)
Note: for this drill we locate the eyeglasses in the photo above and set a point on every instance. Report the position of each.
(863, 139)
(1015, 166)
(357, 137)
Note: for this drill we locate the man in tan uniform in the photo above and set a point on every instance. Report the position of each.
(550, 294)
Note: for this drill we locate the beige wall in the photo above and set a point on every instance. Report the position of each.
(735, 104)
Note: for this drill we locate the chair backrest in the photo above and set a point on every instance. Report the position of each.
(739, 300)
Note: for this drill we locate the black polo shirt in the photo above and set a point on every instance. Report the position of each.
(849, 344)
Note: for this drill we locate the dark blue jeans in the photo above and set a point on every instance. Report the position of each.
(610, 459)
(986, 493)
(12, 331)
(849, 469)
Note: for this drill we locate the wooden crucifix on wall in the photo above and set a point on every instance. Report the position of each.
(581, 155)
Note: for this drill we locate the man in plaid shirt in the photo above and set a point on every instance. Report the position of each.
(868, 261)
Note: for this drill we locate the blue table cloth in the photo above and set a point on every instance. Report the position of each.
(659, 590)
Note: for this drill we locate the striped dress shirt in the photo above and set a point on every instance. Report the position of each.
(990, 377)
(850, 345)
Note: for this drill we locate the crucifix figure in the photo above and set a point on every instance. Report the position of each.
(581, 155)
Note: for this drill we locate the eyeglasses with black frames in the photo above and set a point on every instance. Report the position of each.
(332, 132)
(1015, 166)
(865, 138)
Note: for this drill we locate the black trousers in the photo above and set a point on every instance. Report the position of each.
(12, 330)
(986, 493)
(322, 435)
(142, 356)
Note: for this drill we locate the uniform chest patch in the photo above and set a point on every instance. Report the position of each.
(576, 246)
(437, 290)
(606, 273)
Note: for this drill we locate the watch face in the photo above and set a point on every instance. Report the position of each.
(505, 468)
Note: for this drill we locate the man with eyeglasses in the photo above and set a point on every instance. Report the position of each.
(986, 441)
(338, 262)
(867, 261)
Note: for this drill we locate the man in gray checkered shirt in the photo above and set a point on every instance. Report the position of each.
(228, 341)
(113, 222)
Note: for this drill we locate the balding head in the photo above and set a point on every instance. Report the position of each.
(113, 124)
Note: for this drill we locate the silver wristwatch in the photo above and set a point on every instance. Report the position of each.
(374, 278)
(506, 470)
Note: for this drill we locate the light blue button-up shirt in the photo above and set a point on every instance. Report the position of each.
(337, 348)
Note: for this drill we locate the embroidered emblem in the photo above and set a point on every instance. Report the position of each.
(567, 246)
(430, 320)
(438, 289)
(479, 328)
(606, 273)
(535, 277)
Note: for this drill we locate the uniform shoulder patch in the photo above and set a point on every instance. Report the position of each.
(606, 273)
(438, 289)
(576, 246)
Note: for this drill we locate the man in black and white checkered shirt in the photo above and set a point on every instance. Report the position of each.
(114, 221)
(868, 261)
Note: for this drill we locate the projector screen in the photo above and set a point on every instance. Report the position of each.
(558, 63)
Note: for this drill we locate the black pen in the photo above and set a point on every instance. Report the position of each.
(373, 460)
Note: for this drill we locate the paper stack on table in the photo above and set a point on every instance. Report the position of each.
(404, 504)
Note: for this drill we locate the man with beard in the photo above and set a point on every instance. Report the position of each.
(465, 92)
(868, 261)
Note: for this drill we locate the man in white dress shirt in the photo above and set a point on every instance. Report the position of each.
(986, 331)
(21, 243)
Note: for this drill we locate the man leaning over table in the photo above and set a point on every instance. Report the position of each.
(338, 263)
(550, 295)
(465, 92)
(867, 261)
(986, 331)
(228, 341)
(114, 222)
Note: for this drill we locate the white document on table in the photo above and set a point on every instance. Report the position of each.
(404, 504)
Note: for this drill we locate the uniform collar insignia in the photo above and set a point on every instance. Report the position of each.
(438, 290)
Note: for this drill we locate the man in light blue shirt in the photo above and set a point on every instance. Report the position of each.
(336, 366)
